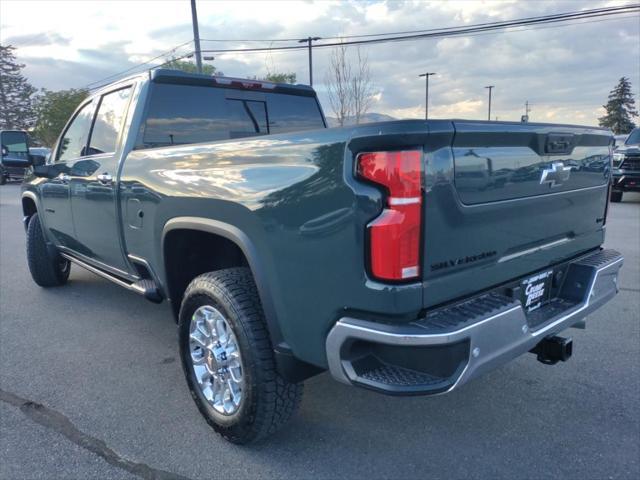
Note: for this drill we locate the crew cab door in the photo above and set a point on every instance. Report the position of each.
(55, 192)
(94, 199)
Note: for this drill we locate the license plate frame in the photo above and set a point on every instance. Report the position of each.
(536, 290)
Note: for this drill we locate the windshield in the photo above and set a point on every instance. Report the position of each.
(15, 142)
(634, 137)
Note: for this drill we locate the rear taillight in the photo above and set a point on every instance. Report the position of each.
(395, 235)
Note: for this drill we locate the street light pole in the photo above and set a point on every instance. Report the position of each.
(308, 40)
(426, 76)
(490, 87)
(196, 35)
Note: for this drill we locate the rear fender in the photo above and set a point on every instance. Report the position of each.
(247, 247)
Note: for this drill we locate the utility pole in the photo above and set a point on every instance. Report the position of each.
(490, 87)
(308, 40)
(196, 35)
(527, 109)
(426, 76)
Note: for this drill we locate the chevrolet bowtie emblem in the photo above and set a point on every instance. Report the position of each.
(555, 174)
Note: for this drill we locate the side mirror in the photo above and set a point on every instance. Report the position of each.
(37, 160)
(46, 171)
(15, 148)
(22, 161)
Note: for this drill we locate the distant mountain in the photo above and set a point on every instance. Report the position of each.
(367, 118)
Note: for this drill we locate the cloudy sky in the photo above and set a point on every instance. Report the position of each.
(565, 72)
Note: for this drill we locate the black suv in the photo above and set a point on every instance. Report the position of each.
(626, 167)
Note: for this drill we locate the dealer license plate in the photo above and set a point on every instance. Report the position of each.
(535, 290)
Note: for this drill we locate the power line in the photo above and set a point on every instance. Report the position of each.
(594, 11)
(479, 34)
(442, 29)
(229, 40)
(571, 22)
(539, 22)
(168, 52)
(186, 55)
(543, 27)
(548, 19)
(189, 54)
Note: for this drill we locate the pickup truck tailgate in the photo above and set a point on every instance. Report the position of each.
(510, 199)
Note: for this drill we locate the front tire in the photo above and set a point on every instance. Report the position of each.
(47, 269)
(228, 359)
(616, 196)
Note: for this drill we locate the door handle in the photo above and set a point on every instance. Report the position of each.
(105, 178)
(64, 178)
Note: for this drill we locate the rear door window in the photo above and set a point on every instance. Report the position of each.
(109, 119)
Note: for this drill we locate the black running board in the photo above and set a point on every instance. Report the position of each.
(145, 287)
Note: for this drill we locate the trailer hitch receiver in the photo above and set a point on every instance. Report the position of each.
(552, 350)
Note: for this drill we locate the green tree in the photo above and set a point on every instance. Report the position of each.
(186, 66)
(16, 93)
(276, 77)
(53, 111)
(620, 109)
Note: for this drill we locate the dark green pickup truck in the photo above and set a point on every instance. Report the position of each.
(405, 257)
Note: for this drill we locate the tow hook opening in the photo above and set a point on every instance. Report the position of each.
(552, 350)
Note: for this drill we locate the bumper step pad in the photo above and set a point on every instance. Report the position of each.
(466, 313)
(399, 376)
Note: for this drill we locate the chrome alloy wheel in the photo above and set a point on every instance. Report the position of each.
(64, 265)
(216, 359)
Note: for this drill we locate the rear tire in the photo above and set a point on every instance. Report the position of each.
(260, 401)
(616, 196)
(3, 179)
(47, 269)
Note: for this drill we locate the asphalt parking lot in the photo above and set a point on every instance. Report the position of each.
(91, 387)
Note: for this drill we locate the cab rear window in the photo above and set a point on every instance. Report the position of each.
(186, 114)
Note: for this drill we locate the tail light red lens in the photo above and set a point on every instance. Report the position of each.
(395, 235)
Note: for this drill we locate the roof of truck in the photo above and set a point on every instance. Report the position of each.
(164, 75)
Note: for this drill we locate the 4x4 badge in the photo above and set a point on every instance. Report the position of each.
(555, 174)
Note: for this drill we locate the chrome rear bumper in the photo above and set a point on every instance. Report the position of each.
(455, 344)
